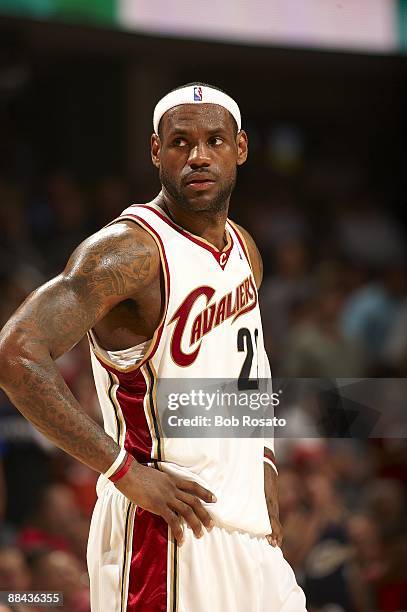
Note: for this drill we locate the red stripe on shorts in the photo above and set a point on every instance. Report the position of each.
(148, 570)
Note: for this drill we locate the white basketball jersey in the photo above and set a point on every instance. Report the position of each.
(210, 329)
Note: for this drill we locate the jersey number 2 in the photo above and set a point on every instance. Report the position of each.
(245, 343)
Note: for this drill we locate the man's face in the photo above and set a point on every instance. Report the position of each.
(197, 152)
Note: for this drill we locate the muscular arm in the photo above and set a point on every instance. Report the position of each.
(113, 265)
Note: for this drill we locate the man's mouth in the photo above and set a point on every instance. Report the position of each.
(200, 182)
(198, 185)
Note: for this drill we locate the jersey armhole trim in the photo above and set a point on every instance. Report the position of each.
(242, 242)
(109, 364)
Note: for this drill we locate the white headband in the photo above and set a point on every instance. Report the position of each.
(195, 94)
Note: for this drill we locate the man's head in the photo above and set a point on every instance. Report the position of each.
(197, 146)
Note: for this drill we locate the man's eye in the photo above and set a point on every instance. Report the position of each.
(179, 142)
(216, 141)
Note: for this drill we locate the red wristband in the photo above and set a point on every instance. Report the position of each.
(123, 470)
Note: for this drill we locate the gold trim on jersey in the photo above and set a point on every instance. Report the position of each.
(120, 422)
(158, 209)
(152, 414)
(128, 547)
(227, 246)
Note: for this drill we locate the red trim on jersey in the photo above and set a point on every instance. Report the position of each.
(221, 257)
(130, 397)
(148, 569)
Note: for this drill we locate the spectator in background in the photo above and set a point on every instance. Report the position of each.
(315, 541)
(14, 573)
(14, 576)
(370, 312)
(16, 243)
(70, 209)
(59, 571)
(386, 497)
(381, 560)
(289, 284)
(53, 521)
(370, 235)
(365, 538)
(315, 345)
(60, 219)
(15, 284)
(292, 504)
(112, 196)
(26, 464)
(395, 348)
(325, 548)
(275, 222)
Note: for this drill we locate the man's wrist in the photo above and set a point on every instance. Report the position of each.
(123, 469)
(117, 463)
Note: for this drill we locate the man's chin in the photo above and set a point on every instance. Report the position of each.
(204, 202)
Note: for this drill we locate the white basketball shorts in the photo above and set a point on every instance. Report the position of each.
(135, 566)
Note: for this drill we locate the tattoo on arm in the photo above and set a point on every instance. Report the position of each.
(114, 265)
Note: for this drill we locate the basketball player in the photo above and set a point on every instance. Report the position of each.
(167, 290)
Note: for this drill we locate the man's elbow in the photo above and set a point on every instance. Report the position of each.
(14, 352)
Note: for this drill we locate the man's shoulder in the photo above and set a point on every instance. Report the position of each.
(121, 235)
(120, 245)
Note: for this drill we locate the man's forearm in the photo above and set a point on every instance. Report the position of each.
(271, 493)
(271, 489)
(39, 392)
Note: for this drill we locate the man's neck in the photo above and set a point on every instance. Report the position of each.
(210, 226)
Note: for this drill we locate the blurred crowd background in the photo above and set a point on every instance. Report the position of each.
(323, 194)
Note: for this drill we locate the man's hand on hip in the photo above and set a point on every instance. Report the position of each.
(168, 496)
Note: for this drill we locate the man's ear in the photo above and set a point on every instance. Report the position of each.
(242, 147)
(155, 150)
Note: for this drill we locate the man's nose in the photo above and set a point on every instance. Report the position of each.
(199, 156)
